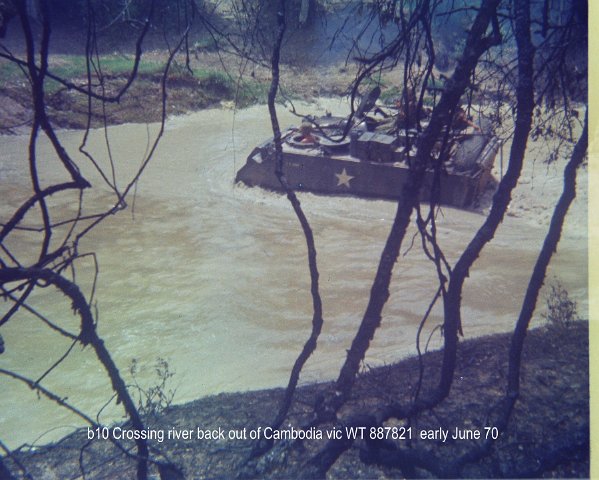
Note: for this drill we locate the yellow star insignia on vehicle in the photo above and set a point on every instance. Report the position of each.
(343, 179)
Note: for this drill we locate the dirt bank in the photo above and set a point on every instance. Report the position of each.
(548, 436)
(211, 80)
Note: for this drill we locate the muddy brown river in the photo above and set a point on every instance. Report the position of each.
(213, 276)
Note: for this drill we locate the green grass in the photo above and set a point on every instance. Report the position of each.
(206, 85)
(74, 66)
(247, 91)
(213, 77)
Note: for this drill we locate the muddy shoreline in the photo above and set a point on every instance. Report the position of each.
(548, 436)
(214, 81)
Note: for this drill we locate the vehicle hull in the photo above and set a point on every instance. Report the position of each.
(316, 171)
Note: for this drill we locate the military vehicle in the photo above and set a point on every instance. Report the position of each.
(372, 160)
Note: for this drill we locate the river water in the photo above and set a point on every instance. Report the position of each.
(213, 276)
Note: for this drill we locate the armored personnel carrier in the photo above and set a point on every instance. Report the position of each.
(370, 162)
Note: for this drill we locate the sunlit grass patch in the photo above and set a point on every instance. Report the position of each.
(73, 66)
(244, 90)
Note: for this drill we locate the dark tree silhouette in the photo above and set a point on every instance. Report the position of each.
(533, 83)
(519, 59)
(53, 261)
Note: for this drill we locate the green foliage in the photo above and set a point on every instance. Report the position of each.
(154, 399)
(225, 86)
(251, 92)
(73, 66)
(561, 309)
(214, 79)
(121, 64)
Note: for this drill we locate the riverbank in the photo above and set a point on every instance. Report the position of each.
(551, 440)
(548, 435)
(209, 80)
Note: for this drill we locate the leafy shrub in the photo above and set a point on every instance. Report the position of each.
(561, 309)
(153, 400)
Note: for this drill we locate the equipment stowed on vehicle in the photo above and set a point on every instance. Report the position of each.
(372, 160)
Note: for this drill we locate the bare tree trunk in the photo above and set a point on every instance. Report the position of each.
(317, 320)
(540, 269)
(529, 303)
(89, 336)
(476, 45)
(502, 198)
(50, 265)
